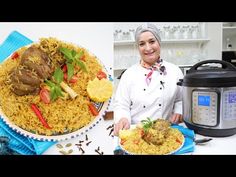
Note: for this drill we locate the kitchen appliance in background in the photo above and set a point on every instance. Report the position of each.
(185, 69)
(209, 98)
(229, 56)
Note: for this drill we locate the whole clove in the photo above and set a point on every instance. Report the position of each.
(111, 131)
(100, 153)
(81, 149)
(78, 144)
(109, 127)
(88, 143)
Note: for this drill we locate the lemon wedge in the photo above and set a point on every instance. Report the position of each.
(99, 90)
(125, 134)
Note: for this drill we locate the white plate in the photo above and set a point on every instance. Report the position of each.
(66, 136)
(102, 108)
(170, 153)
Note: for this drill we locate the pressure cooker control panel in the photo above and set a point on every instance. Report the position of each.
(229, 105)
(204, 107)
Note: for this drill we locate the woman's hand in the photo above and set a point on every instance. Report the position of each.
(122, 124)
(176, 118)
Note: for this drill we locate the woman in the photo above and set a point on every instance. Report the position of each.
(148, 88)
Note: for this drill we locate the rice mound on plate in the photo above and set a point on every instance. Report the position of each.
(132, 142)
(63, 115)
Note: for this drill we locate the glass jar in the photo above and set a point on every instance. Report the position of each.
(186, 32)
(132, 37)
(166, 32)
(119, 35)
(195, 31)
(177, 32)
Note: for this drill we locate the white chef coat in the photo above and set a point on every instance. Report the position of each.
(136, 100)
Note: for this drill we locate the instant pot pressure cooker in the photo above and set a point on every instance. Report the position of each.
(209, 98)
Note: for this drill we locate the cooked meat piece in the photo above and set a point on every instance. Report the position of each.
(24, 82)
(161, 123)
(158, 132)
(43, 71)
(25, 76)
(38, 61)
(34, 51)
(153, 136)
(35, 67)
(23, 89)
(162, 126)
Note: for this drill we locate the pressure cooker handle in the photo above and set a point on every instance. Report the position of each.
(225, 65)
(180, 83)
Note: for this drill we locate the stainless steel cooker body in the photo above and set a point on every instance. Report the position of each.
(221, 122)
(209, 99)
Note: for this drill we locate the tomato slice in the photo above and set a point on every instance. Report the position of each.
(82, 58)
(93, 109)
(74, 78)
(64, 68)
(45, 95)
(122, 141)
(101, 75)
(136, 142)
(15, 55)
(178, 141)
(142, 133)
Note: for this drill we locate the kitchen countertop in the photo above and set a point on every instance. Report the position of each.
(97, 141)
(217, 146)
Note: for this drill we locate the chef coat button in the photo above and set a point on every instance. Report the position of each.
(145, 74)
(144, 106)
(160, 73)
(160, 88)
(159, 104)
(144, 89)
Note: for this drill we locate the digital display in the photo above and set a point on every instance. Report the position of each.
(203, 100)
(232, 97)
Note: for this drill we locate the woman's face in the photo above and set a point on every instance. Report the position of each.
(148, 47)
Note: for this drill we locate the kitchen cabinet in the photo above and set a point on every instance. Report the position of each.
(182, 44)
(228, 36)
(229, 42)
(176, 41)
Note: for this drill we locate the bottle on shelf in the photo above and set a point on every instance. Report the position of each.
(132, 35)
(228, 44)
(195, 31)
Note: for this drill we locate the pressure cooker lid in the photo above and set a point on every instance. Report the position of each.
(208, 76)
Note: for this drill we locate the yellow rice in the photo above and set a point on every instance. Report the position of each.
(134, 144)
(62, 115)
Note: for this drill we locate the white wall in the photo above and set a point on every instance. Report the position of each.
(214, 46)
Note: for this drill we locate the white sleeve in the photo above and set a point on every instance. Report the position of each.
(122, 99)
(178, 99)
